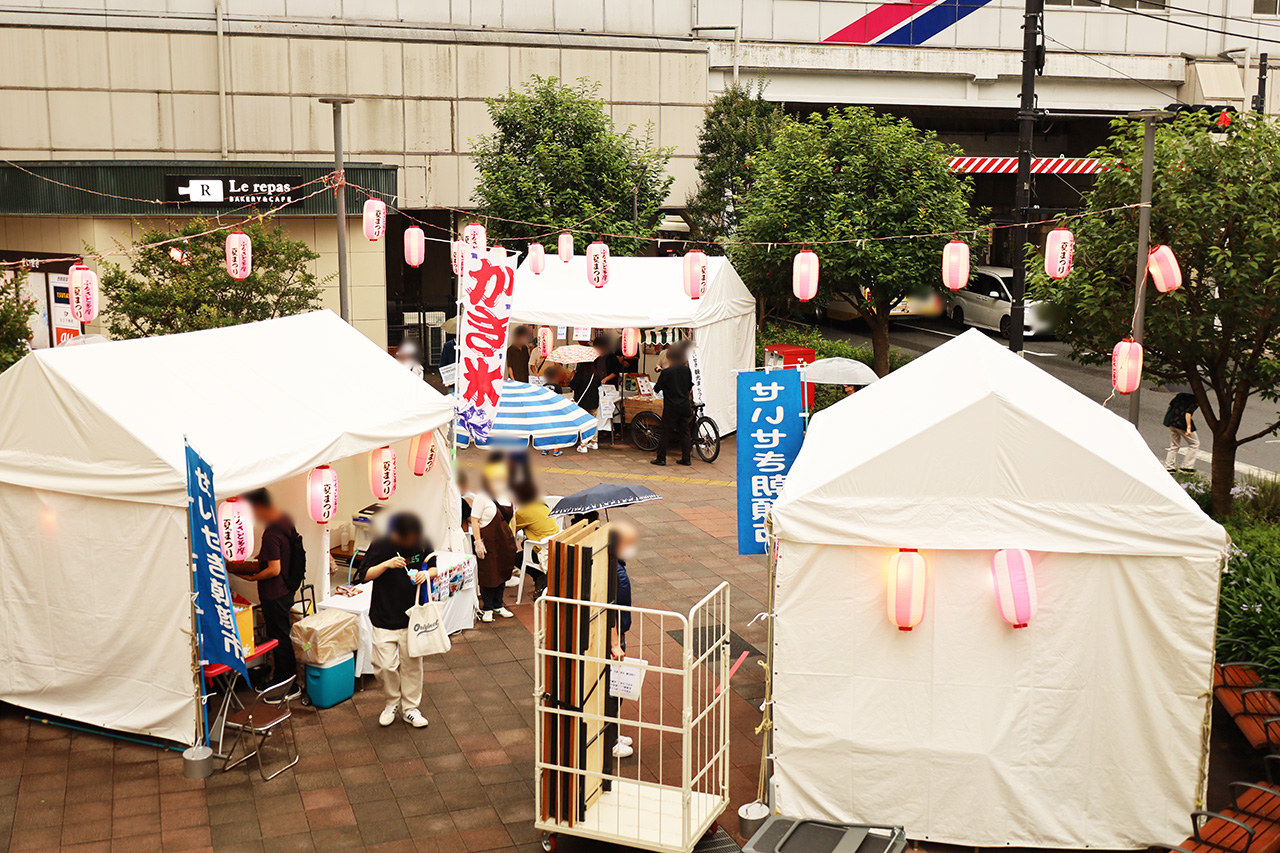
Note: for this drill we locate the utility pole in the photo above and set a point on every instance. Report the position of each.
(1032, 64)
(1150, 117)
(340, 206)
(1260, 99)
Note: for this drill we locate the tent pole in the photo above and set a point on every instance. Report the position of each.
(46, 721)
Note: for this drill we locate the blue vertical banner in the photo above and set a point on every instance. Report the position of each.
(215, 618)
(770, 432)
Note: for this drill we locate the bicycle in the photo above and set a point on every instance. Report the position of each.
(646, 432)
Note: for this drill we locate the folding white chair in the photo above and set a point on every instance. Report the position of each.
(529, 558)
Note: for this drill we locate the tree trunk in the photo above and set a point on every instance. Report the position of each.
(1222, 473)
(879, 343)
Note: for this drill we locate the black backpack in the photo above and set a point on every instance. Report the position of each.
(1179, 406)
(297, 563)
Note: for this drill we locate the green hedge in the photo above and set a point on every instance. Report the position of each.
(809, 336)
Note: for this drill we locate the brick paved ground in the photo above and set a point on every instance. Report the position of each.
(462, 784)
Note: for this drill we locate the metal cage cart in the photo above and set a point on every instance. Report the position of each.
(668, 697)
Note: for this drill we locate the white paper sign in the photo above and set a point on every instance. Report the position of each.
(449, 373)
(625, 681)
(695, 367)
(582, 333)
(562, 333)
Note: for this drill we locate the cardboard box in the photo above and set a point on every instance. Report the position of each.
(244, 623)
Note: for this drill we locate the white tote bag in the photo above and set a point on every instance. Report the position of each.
(427, 634)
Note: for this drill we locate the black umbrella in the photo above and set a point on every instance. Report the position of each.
(604, 496)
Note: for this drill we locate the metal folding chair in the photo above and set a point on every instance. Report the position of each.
(268, 712)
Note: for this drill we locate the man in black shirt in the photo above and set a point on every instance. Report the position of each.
(397, 564)
(518, 355)
(676, 385)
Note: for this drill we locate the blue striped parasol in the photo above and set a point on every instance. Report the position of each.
(533, 413)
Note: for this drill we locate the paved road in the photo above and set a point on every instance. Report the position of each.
(1094, 382)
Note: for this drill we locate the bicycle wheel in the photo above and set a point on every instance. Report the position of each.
(706, 438)
(646, 431)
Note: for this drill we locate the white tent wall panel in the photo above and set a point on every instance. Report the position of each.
(1083, 729)
(95, 611)
(728, 346)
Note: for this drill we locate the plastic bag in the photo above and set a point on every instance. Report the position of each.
(325, 636)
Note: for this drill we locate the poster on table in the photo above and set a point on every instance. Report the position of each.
(770, 432)
(215, 616)
(487, 287)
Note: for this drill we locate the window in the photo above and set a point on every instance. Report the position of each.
(1265, 7)
(1156, 5)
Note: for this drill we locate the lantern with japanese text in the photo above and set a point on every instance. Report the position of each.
(537, 258)
(695, 273)
(375, 219)
(422, 453)
(908, 584)
(382, 472)
(474, 236)
(1126, 366)
(497, 254)
(804, 275)
(239, 255)
(235, 529)
(457, 255)
(1166, 275)
(630, 342)
(82, 285)
(564, 247)
(597, 264)
(1015, 582)
(955, 264)
(546, 341)
(1059, 251)
(322, 494)
(415, 246)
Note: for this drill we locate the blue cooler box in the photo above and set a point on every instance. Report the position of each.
(330, 683)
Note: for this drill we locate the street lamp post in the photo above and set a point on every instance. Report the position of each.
(340, 205)
(1149, 118)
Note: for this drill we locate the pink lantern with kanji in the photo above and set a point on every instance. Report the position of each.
(1126, 366)
(955, 264)
(597, 264)
(564, 247)
(630, 342)
(1166, 275)
(695, 273)
(537, 258)
(1059, 251)
(382, 473)
(804, 275)
(474, 236)
(375, 219)
(322, 494)
(1015, 581)
(239, 255)
(422, 453)
(415, 246)
(546, 341)
(457, 255)
(908, 585)
(82, 284)
(235, 529)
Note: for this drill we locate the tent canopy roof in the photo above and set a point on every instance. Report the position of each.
(260, 401)
(641, 293)
(971, 447)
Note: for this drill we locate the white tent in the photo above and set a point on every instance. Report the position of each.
(649, 293)
(1087, 728)
(95, 583)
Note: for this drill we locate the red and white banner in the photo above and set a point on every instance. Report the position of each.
(486, 287)
(1039, 165)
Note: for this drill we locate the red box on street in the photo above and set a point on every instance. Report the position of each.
(789, 355)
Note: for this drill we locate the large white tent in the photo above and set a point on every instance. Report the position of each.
(648, 293)
(95, 581)
(1087, 728)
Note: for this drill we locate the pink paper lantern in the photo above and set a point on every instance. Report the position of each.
(630, 342)
(546, 341)
(597, 264)
(804, 275)
(564, 247)
(1164, 269)
(1015, 582)
(457, 256)
(375, 219)
(1059, 251)
(908, 584)
(1126, 366)
(82, 284)
(955, 264)
(474, 236)
(415, 246)
(537, 258)
(235, 528)
(322, 494)
(382, 473)
(695, 274)
(239, 255)
(422, 454)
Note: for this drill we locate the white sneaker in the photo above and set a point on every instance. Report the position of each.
(514, 580)
(486, 615)
(581, 449)
(622, 750)
(388, 716)
(504, 613)
(414, 718)
(623, 739)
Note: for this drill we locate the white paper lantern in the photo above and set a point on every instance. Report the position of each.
(375, 219)
(415, 246)
(537, 258)
(597, 264)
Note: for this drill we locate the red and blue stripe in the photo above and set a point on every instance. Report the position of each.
(906, 23)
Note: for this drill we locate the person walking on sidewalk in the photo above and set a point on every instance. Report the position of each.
(676, 385)
(1181, 428)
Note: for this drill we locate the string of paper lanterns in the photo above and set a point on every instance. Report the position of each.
(955, 264)
(537, 258)
(239, 255)
(1012, 575)
(804, 275)
(1126, 356)
(564, 247)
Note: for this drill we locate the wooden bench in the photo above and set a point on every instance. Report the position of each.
(1251, 824)
(1255, 709)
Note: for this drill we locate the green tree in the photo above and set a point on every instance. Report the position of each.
(15, 315)
(555, 159)
(851, 175)
(1216, 203)
(183, 285)
(739, 122)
